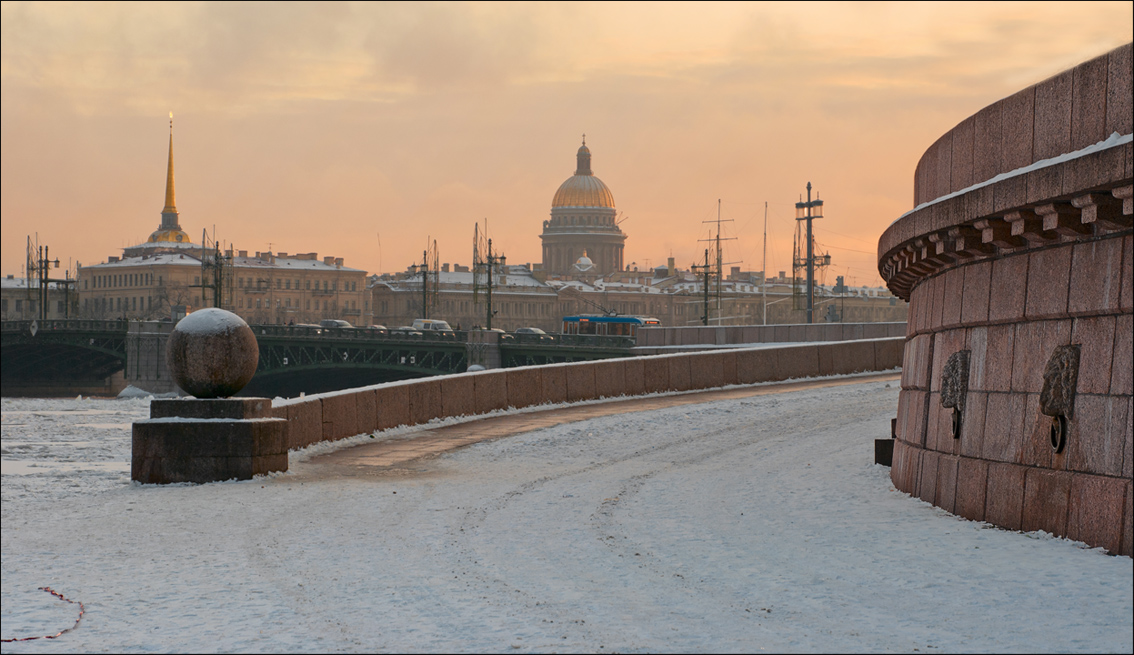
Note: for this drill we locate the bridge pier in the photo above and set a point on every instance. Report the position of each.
(146, 366)
(483, 348)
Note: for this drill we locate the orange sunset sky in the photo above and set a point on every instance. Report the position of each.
(361, 130)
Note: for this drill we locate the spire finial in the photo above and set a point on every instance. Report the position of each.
(584, 138)
(170, 200)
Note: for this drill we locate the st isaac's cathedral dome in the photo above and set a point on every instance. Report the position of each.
(583, 189)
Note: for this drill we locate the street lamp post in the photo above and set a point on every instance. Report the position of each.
(807, 211)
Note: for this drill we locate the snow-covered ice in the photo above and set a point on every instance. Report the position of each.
(754, 524)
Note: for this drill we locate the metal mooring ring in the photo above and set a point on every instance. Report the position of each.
(1058, 433)
(956, 423)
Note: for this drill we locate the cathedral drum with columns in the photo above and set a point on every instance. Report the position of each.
(583, 224)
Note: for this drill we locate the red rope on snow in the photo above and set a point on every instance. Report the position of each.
(60, 596)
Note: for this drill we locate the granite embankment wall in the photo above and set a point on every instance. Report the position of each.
(342, 414)
(724, 335)
(1017, 264)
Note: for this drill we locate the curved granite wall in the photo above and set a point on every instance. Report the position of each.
(1017, 262)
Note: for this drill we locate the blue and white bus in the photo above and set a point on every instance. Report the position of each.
(622, 326)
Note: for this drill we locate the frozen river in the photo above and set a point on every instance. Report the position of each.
(732, 526)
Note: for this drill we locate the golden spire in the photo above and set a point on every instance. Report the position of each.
(170, 204)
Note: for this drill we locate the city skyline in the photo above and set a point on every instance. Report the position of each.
(358, 131)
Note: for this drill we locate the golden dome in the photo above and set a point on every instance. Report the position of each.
(583, 189)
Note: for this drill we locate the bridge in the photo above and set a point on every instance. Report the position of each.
(62, 355)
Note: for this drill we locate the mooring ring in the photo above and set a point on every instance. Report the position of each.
(1058, 433)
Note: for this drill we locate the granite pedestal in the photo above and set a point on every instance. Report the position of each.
(208, 440)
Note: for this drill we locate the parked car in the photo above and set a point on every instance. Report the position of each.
(432, 325)
(405, 331)
(379, 329)
(334, 323)
(543, 336)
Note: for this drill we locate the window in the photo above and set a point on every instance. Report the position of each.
(59, 308)
(240, 283)
(287, 284)
(278, 283)
(309, 285)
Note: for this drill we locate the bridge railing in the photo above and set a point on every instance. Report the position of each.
(76, 324)
(354, 334)
(568, 340)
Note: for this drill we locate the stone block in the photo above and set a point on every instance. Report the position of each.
(937, 304)
(1095, 337)
(972, 481)
(1004, 499)
(855, 331)
(974, 303)
(580, 381)
(972, 424)
(1128, 447)
(1003, 422)
(919, 300)
(1010, 193)
(1088, 103)
(610, 378)
(927, 478)
(1035, 446)
(945, 344)
(1052, 136)
(525, 387)
(756, 365)
(939, 433)
(458, 397)
(491, 391)
(1046, 497)
(366, 411)
(634, 376)
(797, 362)
(424, 401)
(915, 362)
(1049, 273)
(1097, 435)
(230, 408)
(706, 370)
(1045, 184)
(1034, 343)
(1096, 269)
(728, 367)
(980, 202)
(1122, 364)
(986, 143)
(961, 159)
(339, 410)
(179, 450)
(1017, 135)
(393, 406)
(1093, 170)
(781, 333)
(943, 169)
(1095, 513)
(304, 423)
(888, 354)
(898, 467)
(953, 298)
(655, 374)
(1128, 521)
(1119, 106)
(679, 373)
(946, 483)
(1126, 296)
(554, 381)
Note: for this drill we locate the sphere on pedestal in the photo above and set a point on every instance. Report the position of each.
(212, 353)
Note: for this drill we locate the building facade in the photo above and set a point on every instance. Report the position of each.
(168, 272)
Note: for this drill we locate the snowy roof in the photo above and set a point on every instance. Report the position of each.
(22, 283)
(193, 259)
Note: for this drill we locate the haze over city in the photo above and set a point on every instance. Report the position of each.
(359, 130)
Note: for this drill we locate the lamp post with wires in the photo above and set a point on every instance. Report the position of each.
(807, 211)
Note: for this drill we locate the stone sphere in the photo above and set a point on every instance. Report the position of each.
(212, 353)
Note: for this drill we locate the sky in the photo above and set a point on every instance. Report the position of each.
(367, 131)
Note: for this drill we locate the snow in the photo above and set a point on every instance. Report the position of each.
(750, 524)
(1113, 141)
(210, 321)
